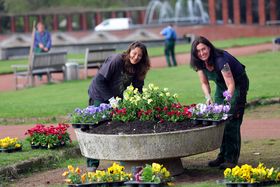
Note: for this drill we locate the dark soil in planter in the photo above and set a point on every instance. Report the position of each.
(139, 127)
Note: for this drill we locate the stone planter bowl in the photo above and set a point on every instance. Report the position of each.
(166, 148)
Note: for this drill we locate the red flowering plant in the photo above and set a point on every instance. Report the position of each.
(152, 104)
(48, 137)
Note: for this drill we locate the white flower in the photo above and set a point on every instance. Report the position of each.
(165, 89)
(130, 88)
(151, 86)
(135, 91)
(125, 96)
(149, 101)
(113, 102)
(145, 90)
(167, 94)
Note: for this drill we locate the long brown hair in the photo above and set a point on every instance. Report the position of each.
(141, 68)
(198, 64)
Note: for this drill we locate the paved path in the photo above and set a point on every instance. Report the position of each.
(251, 129)
(7, 81)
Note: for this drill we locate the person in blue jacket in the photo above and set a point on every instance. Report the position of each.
(232, 82)
(42, 40)
(170, 41)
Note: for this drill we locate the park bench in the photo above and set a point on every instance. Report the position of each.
(41, 64)
(94, 58)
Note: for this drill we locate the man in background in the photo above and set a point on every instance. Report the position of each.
(170, 40)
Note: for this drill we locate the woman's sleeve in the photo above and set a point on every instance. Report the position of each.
(110, 66)
(103, 87)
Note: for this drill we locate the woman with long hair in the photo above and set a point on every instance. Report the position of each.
(232, 82)
(115, 75)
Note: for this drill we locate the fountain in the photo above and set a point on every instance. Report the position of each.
(187, 11)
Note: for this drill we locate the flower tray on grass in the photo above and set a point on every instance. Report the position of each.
(143, 184)
(98, 184)
(49, 137)
(11, 150)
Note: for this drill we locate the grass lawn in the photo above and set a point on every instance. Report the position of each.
(5, 65)
(27, 153)
(56, 100)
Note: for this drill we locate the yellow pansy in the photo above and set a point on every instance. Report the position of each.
(18, 145)
(71, 168)
(156, 167)
(5, 145)
(83, 178)
(227, 172)
(270, 172)
(78, 170)
(65, 173)
(278, 177)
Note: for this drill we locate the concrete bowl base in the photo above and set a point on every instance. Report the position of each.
(138, 149)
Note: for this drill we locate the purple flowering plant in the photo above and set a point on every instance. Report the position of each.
(91, 114)
(212, 111)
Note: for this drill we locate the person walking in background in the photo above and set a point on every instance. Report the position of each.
(170, 40)
(232, 82)
(42, 40)
(115, 75)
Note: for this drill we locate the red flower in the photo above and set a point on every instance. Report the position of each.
(165, 108)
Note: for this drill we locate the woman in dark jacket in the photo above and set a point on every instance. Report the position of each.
(117, 72)
(230, 77)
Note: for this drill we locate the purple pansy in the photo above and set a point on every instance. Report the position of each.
(227, 96)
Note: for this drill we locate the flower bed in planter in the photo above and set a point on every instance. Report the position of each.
(50, 137)
(248, 176)
(113, 176)
(9, 145)
(157, 120)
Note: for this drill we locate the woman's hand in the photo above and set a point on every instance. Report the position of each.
(209, 100)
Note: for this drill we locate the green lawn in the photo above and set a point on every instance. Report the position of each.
(28, 153)
(5, 65)
(60, 99)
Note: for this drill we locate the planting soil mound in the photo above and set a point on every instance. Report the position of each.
(139, 127)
